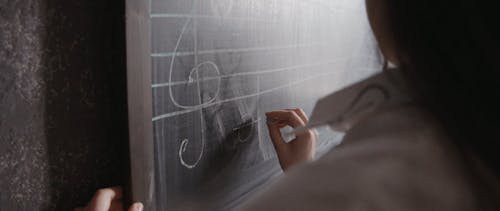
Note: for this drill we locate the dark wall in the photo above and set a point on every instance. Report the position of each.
(63, 113)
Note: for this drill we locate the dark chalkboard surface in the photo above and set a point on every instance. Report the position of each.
(201, 75)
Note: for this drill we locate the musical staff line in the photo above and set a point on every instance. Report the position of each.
(177, 15)
(232, 50)
(249, 73)
(175, 113)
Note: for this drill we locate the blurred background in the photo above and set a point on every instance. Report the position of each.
(63, 108)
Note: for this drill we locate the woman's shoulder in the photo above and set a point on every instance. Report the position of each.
(397, 133)
(397, 159)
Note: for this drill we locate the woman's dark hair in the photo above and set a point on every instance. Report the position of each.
(450, 50)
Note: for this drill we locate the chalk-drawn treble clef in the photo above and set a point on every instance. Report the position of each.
(194, 71)
(194, 77)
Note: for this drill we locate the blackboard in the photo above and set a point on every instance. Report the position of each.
(201, 75)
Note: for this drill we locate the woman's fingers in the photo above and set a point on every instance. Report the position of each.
(301, 148)
(275, 133)
(103, 198)
(109, 199)
(136, 207)
(301, 114)
(289, 117)
(305, 119)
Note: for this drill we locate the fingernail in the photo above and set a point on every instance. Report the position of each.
(138, 206)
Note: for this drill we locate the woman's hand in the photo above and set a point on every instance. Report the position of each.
(298, 150)
(109, 199)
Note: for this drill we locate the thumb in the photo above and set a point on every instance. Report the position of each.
(136, 207)
(275, 134)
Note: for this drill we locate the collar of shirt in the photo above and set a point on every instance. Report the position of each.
(342, 109)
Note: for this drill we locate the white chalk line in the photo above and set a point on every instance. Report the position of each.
(196, 69)
(231, 50)
(173, 15)
(185, 142)
(259, 72)
(175, 113)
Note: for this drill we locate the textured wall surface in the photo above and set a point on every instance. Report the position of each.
(63, 114)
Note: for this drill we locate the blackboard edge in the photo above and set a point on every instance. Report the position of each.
(140, 102)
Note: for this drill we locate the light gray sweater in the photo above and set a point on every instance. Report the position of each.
(397, 158)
